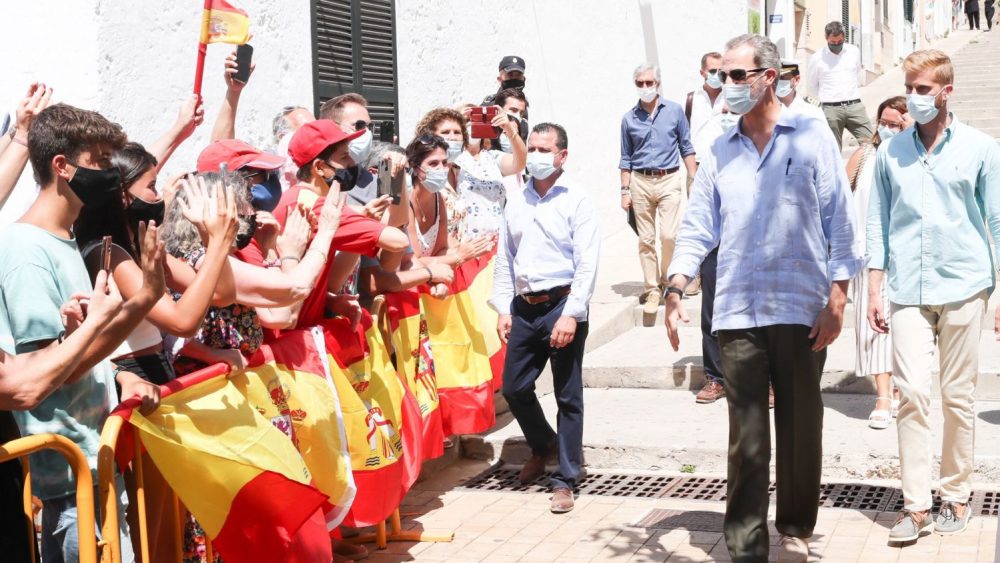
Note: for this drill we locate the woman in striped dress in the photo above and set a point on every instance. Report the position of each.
(874, 350)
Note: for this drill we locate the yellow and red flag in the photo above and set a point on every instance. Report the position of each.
(239, 476)
(287, 382)
(415, 364)
(381, 419)
(223, 21)
(480, 288)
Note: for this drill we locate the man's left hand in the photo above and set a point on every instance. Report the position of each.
(563, 332)
(827, 327)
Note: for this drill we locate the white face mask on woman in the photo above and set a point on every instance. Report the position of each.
(435, 179)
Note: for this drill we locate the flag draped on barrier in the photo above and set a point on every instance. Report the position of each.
(381, 419)
(288, 382)
(238, 475)
(480, 291)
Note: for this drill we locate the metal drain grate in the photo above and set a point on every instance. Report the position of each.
(856, 496)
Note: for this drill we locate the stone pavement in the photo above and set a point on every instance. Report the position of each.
(504, 527)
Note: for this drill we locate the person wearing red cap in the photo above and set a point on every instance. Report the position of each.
(258, 168)
(325, 169)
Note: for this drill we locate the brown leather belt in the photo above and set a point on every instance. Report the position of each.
(539, 297)
(651, 172)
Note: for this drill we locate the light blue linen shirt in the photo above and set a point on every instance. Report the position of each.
(782, 219)
(547, 242)
(928, 215)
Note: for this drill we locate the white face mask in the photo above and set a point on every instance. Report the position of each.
(728, 120)
(454, 149)
(713, 80)
(361, 148)
(784, 88)
(923, 108)
(884, 133)
(647, 94)
(472, 140)
(505, 145)
(540, 165)
(435, 179)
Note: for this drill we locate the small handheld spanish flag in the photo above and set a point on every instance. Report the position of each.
(223, 21)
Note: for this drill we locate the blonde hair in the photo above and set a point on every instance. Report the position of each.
(931, 59)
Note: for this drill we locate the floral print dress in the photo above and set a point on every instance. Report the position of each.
(481, 187)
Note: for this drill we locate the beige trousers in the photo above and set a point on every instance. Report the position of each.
(655, 197)
(955, 329)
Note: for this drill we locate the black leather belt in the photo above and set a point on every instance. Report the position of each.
(654, 172)
(838, 104)
(539, 297)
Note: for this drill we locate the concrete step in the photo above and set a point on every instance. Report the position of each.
(642, 358)
(675, 434)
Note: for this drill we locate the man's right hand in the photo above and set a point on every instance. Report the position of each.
(675, 314)
(876, 315)
(504, 322)
(626, 202)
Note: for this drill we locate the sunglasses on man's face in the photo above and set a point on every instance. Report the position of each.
(645, 83)
(362, 124)
(738, 74)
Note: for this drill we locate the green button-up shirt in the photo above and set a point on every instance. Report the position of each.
(929, 212)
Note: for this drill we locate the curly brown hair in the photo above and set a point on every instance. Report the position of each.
(433, 119)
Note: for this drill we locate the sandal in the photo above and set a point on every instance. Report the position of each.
(880, 419)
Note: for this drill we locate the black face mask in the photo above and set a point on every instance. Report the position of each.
(346, 177)
(516, 83)
(243, 239)
(95, 187)
(141, 210)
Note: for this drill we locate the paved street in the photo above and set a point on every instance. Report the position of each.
(633, 372)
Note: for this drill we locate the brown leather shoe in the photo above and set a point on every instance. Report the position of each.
(770, 396)
(710, 393)
(533, 469)
(562, 500)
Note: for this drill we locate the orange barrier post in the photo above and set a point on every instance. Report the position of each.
(112, 553)
(84, 484)
(395, 532)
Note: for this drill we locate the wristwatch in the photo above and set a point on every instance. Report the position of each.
(626, 190)
(672, 289)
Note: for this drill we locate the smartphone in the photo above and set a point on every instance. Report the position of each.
(481, 119)
(386, 131)
(106, 254)
(388, 184)
(244, 54)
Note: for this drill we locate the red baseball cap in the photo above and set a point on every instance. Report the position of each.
(314, 137)
(236, 154)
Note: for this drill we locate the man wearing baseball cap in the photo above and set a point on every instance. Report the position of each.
(258, 168)
(325, 169)
(511, 76)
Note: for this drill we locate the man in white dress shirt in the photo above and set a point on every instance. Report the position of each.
(546, 268)
(787, 91)
(834, 76)
(704, 105)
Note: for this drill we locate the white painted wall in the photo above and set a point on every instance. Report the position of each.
(134, 60)
(580, 55)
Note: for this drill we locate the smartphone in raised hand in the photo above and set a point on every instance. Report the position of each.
(244, 55)
(106, 254)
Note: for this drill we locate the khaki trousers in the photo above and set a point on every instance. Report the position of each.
(854, 118)
(955, 329)
(655, 197)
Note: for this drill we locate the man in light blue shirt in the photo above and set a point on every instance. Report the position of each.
(773, 196)
(545, 272)
(935, 200)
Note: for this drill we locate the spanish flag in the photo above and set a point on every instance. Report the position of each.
(223, 21)
(238, 475)
(381, 419)
(480, 290)
(288, 383)
(415, 364)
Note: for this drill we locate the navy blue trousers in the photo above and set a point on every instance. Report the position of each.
(710, 352)
(527, 352)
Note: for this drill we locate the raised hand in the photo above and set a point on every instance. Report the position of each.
(230, 71)
(295, 237)
(154, 283)
(197, 206)
(376, 207)
(329, 215)
(39, 97)
(224, 223)
(504, 122)
(105, 301)
(191, 115)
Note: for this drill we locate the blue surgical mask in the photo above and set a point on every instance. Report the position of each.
(739, 97)
(505, 144)
(454, 150)
(361, 147)
(540, 165)
(923, 108)
(265, 195)
(784, 88)
(728, 120)
(884, 133)
(435, 179)
(713, 80)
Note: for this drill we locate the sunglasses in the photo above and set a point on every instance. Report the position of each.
(362, 124)
(267, 174)
(738, 74)
(645, 83)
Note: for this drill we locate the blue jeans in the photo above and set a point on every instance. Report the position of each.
(60, 539)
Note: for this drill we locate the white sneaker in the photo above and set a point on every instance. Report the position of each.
(792, 550)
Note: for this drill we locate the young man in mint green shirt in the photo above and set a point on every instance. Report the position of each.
(40, 269)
